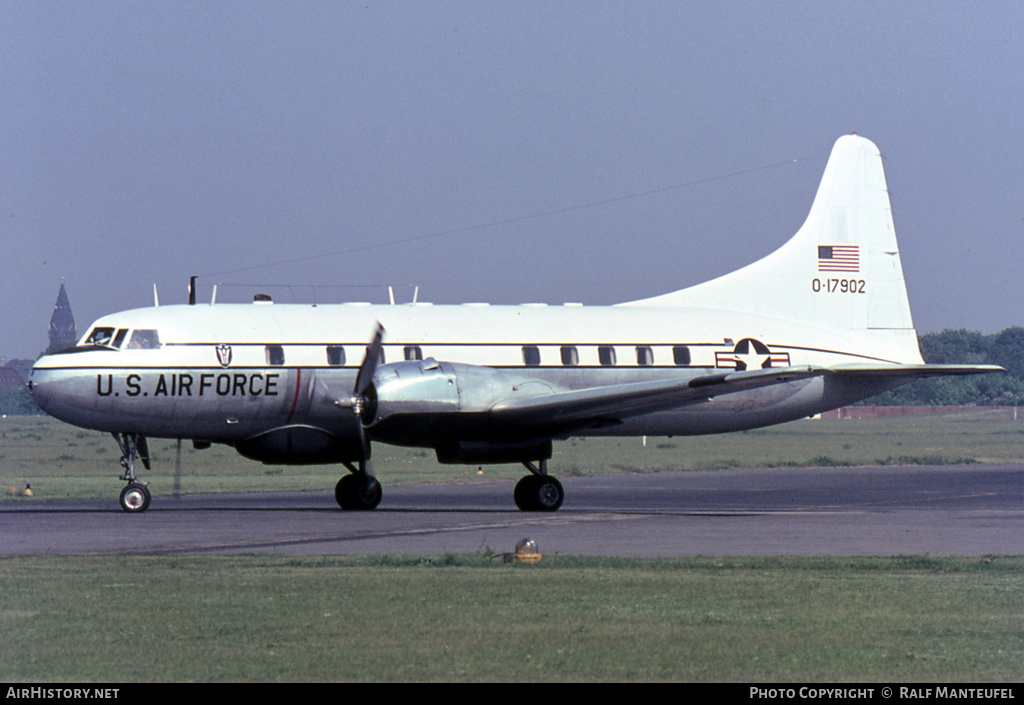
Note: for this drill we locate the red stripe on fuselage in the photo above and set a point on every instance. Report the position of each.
(295, 399)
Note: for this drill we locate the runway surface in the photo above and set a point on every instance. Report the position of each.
(949, 510)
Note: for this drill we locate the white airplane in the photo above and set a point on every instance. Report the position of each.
(822, 322)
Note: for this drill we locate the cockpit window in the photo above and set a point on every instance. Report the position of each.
(100, 336)
(144, 340)
(114, 338)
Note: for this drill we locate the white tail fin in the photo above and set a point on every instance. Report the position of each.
(841, 271)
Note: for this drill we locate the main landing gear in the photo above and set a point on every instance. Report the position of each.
(538, 491)
(358, 491)
(135, 498)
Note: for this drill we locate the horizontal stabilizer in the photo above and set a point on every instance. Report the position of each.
(913, 371)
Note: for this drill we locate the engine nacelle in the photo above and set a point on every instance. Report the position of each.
(439, 402)
(300, 445)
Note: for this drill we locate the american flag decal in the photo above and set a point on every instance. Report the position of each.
(838, 258)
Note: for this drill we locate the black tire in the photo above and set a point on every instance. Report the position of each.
(523, 494)
(355, 493)
(539, 493)
(135, 498)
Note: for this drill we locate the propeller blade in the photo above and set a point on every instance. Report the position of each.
(370, 362)
(364, 378)
(177, 470)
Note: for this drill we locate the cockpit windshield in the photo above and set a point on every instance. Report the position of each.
(144, 340)
(101, 336)
(141, 339)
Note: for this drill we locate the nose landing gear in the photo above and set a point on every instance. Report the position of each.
(135, 498)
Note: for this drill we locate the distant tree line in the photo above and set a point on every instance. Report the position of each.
(948, 347)
(966, 347)
(16, 401)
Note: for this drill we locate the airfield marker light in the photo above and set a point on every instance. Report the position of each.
(526, 551)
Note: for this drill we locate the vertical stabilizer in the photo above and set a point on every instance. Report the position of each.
(841, 271)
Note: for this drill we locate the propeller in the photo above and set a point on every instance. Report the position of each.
(364, 378)
(366, 370)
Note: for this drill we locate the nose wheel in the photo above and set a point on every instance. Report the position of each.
(135, 498)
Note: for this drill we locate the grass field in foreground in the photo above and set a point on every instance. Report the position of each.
(471, 617)
(61, 461)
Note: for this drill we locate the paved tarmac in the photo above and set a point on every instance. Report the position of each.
(968, 510)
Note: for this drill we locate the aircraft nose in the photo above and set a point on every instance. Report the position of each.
(55, 391)
(39, 386)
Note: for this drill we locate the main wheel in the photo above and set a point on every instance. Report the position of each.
(539, 493)
(358, 492)
(135, 498)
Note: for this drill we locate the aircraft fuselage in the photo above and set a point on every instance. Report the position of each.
(228, 372)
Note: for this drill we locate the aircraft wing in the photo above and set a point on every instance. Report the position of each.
(626, 400)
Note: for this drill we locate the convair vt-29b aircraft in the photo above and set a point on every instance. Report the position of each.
(822, 322)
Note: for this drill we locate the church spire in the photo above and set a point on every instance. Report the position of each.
(62, 323)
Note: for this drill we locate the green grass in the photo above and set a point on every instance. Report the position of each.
(473, 618)
(61, 461)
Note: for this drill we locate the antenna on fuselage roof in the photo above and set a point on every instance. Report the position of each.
(192, 290)
(415, 294)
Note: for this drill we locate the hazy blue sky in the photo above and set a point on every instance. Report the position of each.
(143, 142)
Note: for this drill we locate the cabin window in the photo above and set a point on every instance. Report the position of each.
(644, 355)
(275, 355)
(531, 356)
(681, 355)
(570, 356)
(335, 355)
(606, 355)
(143, 340)
(413, 352)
